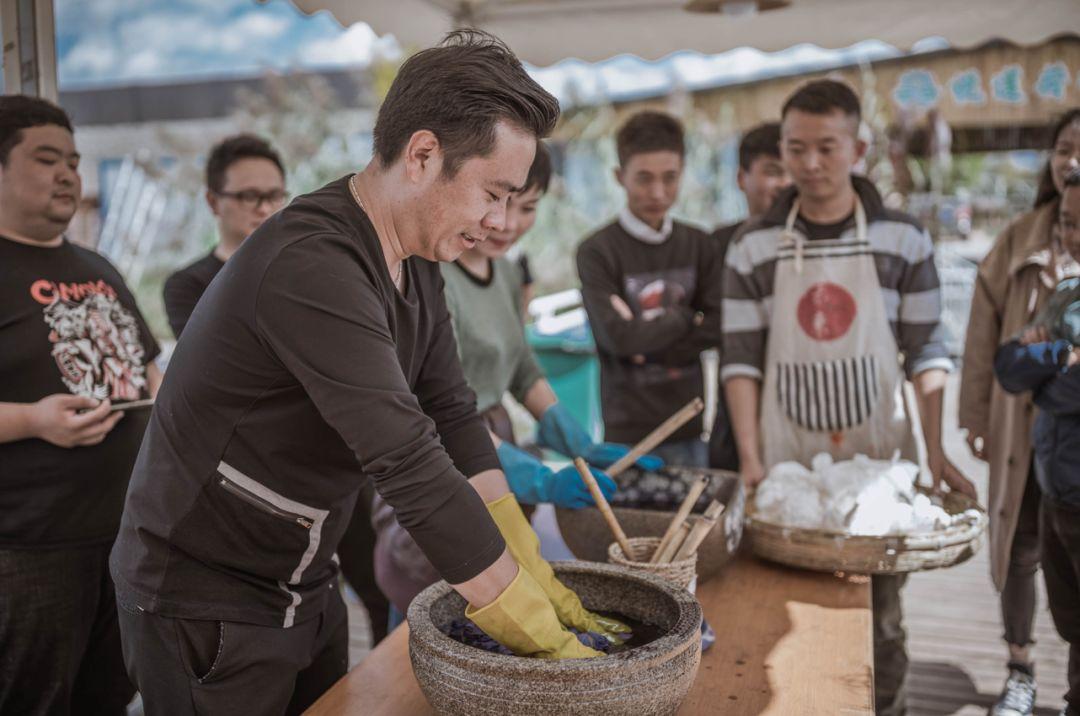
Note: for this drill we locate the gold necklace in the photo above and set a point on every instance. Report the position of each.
(356, 196)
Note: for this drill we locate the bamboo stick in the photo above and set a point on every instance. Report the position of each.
(700, 531)
(657, 436)
(664, 553)
(605, 508)
(683, 512)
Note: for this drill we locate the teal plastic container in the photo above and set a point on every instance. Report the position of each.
(569, 360)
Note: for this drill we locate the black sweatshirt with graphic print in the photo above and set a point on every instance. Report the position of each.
(650, 366)
(302, 373)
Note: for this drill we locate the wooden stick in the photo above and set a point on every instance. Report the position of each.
(657, 436)
(680, 516)
(605, 508)
(664, 553)
(700, 531)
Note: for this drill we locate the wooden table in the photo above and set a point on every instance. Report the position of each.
(788, 642)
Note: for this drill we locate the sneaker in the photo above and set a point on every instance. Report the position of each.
(1018, 696)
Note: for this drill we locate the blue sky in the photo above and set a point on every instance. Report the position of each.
(109, 42)
(120, 41)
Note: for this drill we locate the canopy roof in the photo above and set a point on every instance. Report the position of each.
(543, 32)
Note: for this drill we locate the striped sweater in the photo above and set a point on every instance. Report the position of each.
(904, 257)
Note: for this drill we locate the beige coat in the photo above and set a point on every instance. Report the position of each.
(1008, 292)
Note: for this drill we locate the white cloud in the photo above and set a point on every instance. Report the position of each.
(624, 77)
(354, 47)
(91, 57)
(259, 26)
(123, 40)
(104, 41)
(145, 63)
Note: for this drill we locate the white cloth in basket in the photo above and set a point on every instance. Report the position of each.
(859, 497)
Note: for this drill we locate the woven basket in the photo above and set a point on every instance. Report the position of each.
(586, 532)
(681, 573)
(830, 551)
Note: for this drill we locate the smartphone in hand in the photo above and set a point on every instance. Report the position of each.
(131, 404)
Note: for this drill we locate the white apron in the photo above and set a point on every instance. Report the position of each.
(833, 381)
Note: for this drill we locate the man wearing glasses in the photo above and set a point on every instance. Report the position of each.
(245, 184)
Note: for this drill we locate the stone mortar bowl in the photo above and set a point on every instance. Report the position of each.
(588, 536)
(650, 679)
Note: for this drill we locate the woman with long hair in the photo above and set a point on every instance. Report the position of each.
(1014, 282)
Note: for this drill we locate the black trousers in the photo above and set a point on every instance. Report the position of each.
(1018, 595)
(190, 666)
(1061, 569)
(356, 553)
(59, 640)
(890, 645)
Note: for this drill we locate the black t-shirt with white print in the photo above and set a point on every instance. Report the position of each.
(68, 324)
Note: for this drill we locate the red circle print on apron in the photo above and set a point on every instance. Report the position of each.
(826, 311)
(832, 374)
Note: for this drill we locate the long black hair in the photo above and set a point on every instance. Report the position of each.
(1047, 191)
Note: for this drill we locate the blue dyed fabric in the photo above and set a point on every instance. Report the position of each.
(708, 635)
(662, 489)
(465, 631)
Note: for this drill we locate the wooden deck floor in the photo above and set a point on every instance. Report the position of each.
(954, 642)
(954, 629)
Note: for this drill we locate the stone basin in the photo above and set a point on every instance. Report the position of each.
(649, 679)
(588, 536)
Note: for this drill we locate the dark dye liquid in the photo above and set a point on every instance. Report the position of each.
(643, 633)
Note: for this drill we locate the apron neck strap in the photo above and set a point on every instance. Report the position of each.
(860, 220)
(789, 223)
(789, 228)
(789, 232)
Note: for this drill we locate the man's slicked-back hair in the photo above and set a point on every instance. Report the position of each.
(231, 150)
(540, 171)
(19, 112)
(649, 131)
(761, 141)
(460, 91)
(824, 97)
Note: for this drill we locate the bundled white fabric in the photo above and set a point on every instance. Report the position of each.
(790, 496)
(859, 496)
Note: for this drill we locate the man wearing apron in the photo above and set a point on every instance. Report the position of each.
(830, 301)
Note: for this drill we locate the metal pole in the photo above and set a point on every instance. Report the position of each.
(29, 32)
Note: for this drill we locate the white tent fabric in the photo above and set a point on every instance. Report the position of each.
(543, 32)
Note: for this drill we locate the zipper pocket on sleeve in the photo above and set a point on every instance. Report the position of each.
(259, 503)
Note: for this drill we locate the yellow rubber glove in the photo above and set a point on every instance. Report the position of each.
(522, 619)
(524, 547)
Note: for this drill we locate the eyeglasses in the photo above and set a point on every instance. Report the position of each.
(253, 198)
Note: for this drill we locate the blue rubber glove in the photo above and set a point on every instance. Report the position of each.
(604, 455)
(532, 482)
(559, 431)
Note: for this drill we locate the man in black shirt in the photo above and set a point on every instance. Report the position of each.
(651, 287)
(761, 177)
(73, 350)
(323, 356)
(245, 183)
